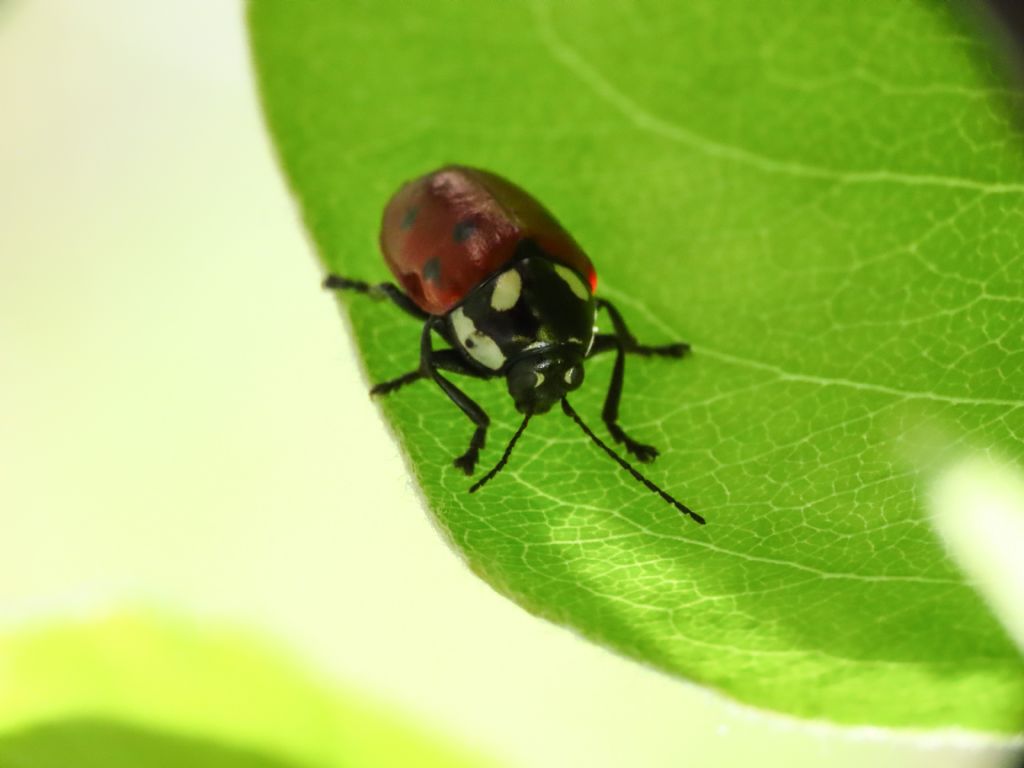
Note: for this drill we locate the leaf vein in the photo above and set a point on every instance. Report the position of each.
(647, 121)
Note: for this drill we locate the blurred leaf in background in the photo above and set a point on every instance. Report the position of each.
(140, 690)
(114, 745)
(826, 201)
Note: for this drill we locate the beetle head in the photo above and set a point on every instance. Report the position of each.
(539, 380)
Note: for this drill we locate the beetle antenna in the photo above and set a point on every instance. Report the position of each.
(571, 413)
(504, 457)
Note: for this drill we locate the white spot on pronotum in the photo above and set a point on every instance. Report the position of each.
(572, 375)
(507, 289)
(480, 346)
(540, 378)
(574, 281)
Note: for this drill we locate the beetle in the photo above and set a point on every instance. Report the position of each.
(489, 270)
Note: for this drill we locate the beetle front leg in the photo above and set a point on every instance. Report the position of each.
(445, 359)
(430, 363)
(378, 291)
(610, 412)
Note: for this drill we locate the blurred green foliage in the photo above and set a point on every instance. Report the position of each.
(85, 743)
(131, 691)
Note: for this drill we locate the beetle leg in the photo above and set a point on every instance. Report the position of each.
(624, 342)
(445, 359)
(610, 412)
(379, 291)
(392, 385)
(603, 342)
(629, 342)
(430, 362)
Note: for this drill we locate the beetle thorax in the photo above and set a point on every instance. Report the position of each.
(533, 322)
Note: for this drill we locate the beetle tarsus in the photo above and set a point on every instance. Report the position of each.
(467, 461)
(339, 283)
(640, 451)
(677, 350)
(387, 387)
(378, 292)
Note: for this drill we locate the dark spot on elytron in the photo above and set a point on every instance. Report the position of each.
(432, 270)
(463, 230)
(409, 218)
(470, 343)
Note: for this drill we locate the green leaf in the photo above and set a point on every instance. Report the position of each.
(129, 691)
(826, 201)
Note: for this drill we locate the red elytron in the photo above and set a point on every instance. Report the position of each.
(490, 217)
